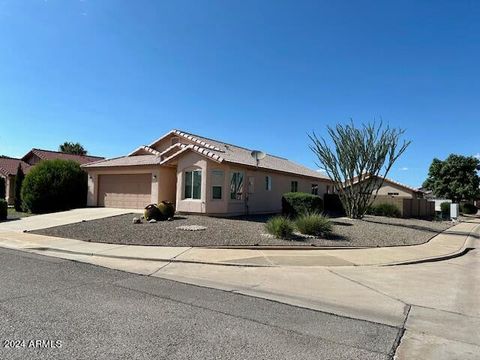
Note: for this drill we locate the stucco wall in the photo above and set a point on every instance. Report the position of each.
(393, 189)
(167, 184)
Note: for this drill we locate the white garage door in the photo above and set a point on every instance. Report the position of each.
(128, 191)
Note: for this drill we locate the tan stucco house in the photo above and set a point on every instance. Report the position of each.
(199, 175)
(9, 166)
(393, 188)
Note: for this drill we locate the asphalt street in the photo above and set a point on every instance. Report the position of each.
(59, 309)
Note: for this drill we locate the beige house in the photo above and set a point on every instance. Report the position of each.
(199, 175)
(395, 189)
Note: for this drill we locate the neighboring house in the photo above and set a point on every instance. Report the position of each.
(199, 175)
(8, 170)
(394, 189)
(9, 166)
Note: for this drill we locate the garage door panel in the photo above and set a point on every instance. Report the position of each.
(132, 191)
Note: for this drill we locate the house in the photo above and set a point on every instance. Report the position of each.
(200, 175)
(9, 166)
(393, 189)
(8, 170)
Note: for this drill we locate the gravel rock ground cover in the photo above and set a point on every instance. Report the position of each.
(372, 231)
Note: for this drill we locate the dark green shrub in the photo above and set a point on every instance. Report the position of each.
(384, 209)
(313, 224)
(280, 227)
(297, 203)
(445, 209)
(54, 185)
(3, 210)
(18, 188)
(468, 209)
(3, 192)
(333, 204)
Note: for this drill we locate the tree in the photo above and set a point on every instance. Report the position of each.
(3, 189)
(18, 188)
(72, 148)
(455, 178)
(361, 156)
(55, 185)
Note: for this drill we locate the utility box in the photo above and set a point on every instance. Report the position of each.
(454, 211)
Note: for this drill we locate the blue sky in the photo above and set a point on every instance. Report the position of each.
(114, 74)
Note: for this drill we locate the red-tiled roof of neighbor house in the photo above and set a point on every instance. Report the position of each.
(51, 155)
(9, 166)
(213, 149)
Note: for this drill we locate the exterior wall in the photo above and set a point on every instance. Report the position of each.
(10, 189)
(389, 187)
(167, 184)
(393, 188)
(256, 199)
(92, 194)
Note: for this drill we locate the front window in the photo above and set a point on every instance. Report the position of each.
(315, 189)
(294, 186)
(217, 184)
(236, 186)
(193, 184)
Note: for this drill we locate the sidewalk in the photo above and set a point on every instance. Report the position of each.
(452, 242)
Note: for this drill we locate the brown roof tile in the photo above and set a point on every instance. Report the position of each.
(51, 155)
(9, 166)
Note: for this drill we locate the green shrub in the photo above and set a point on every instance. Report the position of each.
(297, 203)
(2, 188)
(280, 227)
(18, 188)
(313, 224)
(333, 203)
(54, 185)
(445, 209)
(384, 209)
(468, 209)
(3, 210)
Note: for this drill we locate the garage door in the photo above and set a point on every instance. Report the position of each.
(130, 191)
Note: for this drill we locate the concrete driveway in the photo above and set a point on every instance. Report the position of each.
(60, 218)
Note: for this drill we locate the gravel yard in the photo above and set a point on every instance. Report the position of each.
(372, 231)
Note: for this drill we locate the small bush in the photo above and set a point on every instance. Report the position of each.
(297, 203)
(333, 203)
(385, 209)
(468, 209)
(313, 224)
(3, 210)
(54, 185)
(445, 209)
(280, 227)
(159, 212)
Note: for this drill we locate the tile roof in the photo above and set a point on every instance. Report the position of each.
(136, 160)
(50, 155)
(9, 166)
(215, 150)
